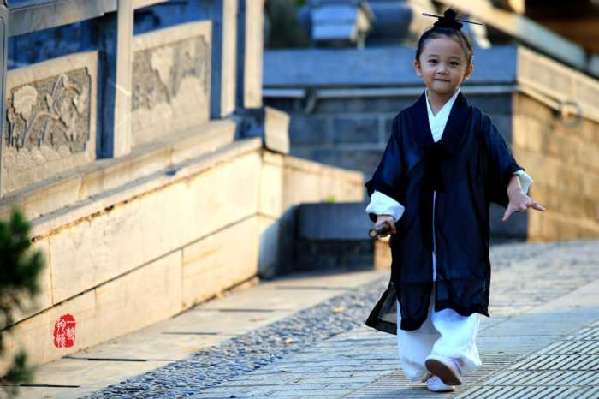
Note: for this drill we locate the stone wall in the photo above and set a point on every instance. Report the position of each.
(352, 132)
(166, 239)
(562, 155)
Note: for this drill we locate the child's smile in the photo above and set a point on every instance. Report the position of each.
(443, 66)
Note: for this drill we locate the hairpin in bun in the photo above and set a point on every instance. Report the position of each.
(449, 20)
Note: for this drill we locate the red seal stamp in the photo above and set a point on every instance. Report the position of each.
(64, 331)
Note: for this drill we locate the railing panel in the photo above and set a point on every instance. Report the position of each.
(51, 119)
(171, 80)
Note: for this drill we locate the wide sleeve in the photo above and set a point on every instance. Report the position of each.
(387, 176)
(381, 204)
(525, 180)
(501, 165)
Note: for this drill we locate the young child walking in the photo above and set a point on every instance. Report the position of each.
(444, 163)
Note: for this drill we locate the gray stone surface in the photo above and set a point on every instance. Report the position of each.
(364, 364)
(363, 129)
(541, 293)
(334, 221)
(310, 130)
(288, 67)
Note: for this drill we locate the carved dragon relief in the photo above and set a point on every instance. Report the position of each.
(53, 112)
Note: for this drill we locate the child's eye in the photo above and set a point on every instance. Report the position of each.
(455, 63)
(432, 61)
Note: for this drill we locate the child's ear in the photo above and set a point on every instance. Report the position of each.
(469, 70)
(417, 68)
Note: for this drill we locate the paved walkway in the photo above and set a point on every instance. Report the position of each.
(541, 341)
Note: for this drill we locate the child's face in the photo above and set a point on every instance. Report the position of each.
(442, 65)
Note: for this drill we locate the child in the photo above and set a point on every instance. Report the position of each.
(444, 163)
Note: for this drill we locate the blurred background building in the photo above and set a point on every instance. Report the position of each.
(347, 71)
(163, 155)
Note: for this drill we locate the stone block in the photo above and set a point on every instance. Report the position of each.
(271, 185)
(591, 186)
(525, 105)
(364, 161)
(324, 155)
(277, 240)
(125, 236)
(43, 299)
(364, 104)
(35, 335)
(57, 191)
(333, 221)
(306, 182)
(515, 228)
(493, 104)
(219, 261)
(122, 304)
(113, 309)
(333, 254)
(535, 224)
(269, 233)
(51, 113)
(310, 130)
(229, 60)
(254, 50)
(591, 209)
(276, 130)
(171, 80)
(528, 133)
(300, 187)
(356, 129)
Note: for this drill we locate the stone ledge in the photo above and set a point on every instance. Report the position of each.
(88, 183)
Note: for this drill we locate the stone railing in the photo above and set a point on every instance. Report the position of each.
(122, 91)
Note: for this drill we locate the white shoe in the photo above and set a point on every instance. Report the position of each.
(435, 384)
(447, 370)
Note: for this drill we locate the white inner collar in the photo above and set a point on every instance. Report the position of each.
(438, 121)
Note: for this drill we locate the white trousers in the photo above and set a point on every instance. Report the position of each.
(445, 335)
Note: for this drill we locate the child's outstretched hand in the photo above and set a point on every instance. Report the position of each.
(519, 202)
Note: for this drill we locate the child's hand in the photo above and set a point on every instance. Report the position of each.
(519, 202)
(386, 219)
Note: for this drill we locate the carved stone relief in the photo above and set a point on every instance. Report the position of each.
(171, 81)
(50, 120)
(52, 112)
(160, 71)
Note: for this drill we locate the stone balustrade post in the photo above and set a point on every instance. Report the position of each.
(115, 39)
(223, 14)
(250, 37)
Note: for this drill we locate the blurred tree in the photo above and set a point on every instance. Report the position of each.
(19, 272)
(283, 29)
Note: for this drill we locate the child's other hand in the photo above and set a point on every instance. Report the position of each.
(386, 219)
(519, 202)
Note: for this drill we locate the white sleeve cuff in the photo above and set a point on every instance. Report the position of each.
(382, 204)
(525, 180)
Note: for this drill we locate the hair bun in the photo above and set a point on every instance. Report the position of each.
(449, 20)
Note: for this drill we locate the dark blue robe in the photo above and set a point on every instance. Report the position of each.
(469, 167)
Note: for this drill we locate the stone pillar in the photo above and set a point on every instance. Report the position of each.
(115, 36)
(223, 14)
(250, 53)
(4, 35)
(229, 55)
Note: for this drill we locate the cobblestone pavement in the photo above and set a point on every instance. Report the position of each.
(540, 340)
